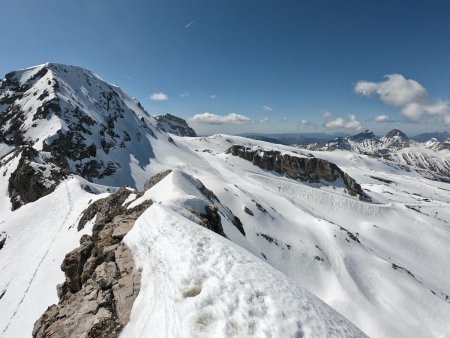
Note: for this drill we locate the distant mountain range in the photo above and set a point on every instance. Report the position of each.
(308, 138)
(293, 138)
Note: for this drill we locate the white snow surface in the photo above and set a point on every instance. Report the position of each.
(38, 236)
(198, 284)
(384, 264)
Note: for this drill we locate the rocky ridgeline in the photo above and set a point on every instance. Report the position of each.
(308, 169)
(102, 281)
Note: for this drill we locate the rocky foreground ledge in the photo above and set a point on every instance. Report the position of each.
(101, 280)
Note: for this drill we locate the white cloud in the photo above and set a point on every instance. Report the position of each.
(159, 97)
(350, 122)
(185, 95)
(264, 120)
(210, 118)
(284, 119)
(267, 108)
(382, 118)
(305, 122)
(326, 114)
(408, 95)
(213, 96)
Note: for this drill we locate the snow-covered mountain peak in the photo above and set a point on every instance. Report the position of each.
(367, 134)
(80, 124)
(396, 133)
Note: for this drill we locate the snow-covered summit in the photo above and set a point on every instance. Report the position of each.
(77, 123)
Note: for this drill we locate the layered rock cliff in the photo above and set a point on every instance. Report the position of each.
(309, 169)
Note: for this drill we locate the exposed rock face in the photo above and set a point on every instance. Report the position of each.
(210, 219)
(101, 280)
(174, 125)
(3, 237)
(105, 209)
(156, 179)
(308, 169)
(33, 178)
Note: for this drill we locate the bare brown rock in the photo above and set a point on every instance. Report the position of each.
(101, 279)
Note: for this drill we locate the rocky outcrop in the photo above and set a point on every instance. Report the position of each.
(174, 125)
(309, 169)
(101, 279)
(210, 219)
(33, 178)
(156, 179)
(3, 237)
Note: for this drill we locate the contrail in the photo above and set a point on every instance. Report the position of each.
(190, 24)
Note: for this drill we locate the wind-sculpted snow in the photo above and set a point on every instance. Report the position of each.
(382, 264)
(197, 284)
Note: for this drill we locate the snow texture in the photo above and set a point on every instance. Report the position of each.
(198, 284)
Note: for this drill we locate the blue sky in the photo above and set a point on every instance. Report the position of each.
(241, 66)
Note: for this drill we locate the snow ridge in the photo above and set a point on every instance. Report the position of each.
(197, 284)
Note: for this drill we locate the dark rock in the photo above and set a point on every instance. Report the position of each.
(3, 237)
(155, 179)
(238, 224)
(213, 221)
(105, 209)
(248, 211)
(27, 183)
(308, 169)
(174, 125)
(396, 132)
(365, 135)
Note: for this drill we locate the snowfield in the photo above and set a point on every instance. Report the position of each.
(198, 284)
(298, 259)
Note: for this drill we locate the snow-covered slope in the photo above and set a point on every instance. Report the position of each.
(430, 158)
(198, 284)
(380, 261)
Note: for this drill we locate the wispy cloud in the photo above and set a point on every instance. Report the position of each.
(185, 95)
(284, 119)
(349, 122)
(210, 118)
(382, 118)
(213, 96)
(190, 24)
(267, 108)
(406, 94)
(305, 123)
(264, 120)
(326, 114)
(159, 97)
